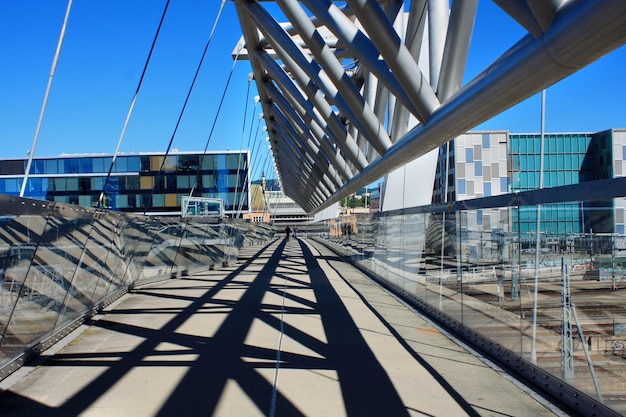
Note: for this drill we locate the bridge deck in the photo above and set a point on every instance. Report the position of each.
(209, 344)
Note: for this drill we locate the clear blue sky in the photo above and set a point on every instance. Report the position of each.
(107, 43)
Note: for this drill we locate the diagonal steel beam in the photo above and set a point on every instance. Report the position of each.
(318, 124)
(325, 156)
(294, 129)
(580, 34)
(339, 90)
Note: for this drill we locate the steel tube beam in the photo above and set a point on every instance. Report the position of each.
(363, 48)
(456, 49)
(341, 91)
(331, 179)
(315, 120)
(304, 138)
(325, 154)
(397, 56)
(581, 33)
(301, 178)
(335, 129)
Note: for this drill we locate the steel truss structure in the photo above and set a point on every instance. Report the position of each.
(352, 90)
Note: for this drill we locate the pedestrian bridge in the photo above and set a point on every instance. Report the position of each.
(167, 316)
(291, 330)
(339, 321)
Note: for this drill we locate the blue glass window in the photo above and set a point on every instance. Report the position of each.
(478, 169)
(461, 189)
(469, 155)
(523, 162)
(12, 185)
(486, 144)
(52, 166)
(504, 185)
(37, 167)
(71, 166)
(487, 189)
(86, 165)
(133, 163)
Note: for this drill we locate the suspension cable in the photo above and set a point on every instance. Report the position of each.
(53, 69)
(182, 111)
(219, 109)
(243, 132)
(132, 105)
(249, 172)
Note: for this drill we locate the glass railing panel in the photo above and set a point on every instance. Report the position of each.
(80, 277)
(46, 287)
(58, 262)
(366, 241)
(98, 255)
(138, 246)
(235, 233)
(164, 235)
(380, 249)
(543, 281)
(260, 233)
(412, 254)
(201, 246)
(22, 225)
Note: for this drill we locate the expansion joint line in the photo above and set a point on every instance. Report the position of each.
(278, 350)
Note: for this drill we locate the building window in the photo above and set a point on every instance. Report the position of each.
(86, 165)
(52, 166)
(121, 164)
(461, 186)
(504, 185)
(486, 141)
(188, 163)
(147, 183)
(71, 166)
(478, 169)
(478, 153)
(72, 185)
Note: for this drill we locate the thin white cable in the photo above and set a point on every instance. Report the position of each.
(132, 106)
(278, 350)
(243, 133)
(53, 70)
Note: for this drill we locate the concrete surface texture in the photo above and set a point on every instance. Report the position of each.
(293, 331)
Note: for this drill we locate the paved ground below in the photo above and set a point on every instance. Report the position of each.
(294, 331)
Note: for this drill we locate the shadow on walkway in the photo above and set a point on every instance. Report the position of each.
(279, 272)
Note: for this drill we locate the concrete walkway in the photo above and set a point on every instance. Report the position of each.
(293, 332)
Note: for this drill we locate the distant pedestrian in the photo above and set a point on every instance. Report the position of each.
(287, 232)
(295, 232)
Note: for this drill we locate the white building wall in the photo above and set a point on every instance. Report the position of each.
(619, 170)
(411, 185)
(331, 212)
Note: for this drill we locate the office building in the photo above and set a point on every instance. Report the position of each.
(484, 164)
(150, 182)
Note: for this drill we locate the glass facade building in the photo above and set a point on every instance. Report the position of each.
(150, 182)
(490, 163)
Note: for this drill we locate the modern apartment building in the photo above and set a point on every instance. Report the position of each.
(150, 182)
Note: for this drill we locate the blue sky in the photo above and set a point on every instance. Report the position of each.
(106, 45)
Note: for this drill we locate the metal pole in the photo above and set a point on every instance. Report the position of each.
(533, 349)
(589, 362)
(53, 69)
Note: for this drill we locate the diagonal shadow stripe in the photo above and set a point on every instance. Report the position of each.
(91, 392)
(366, 387)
